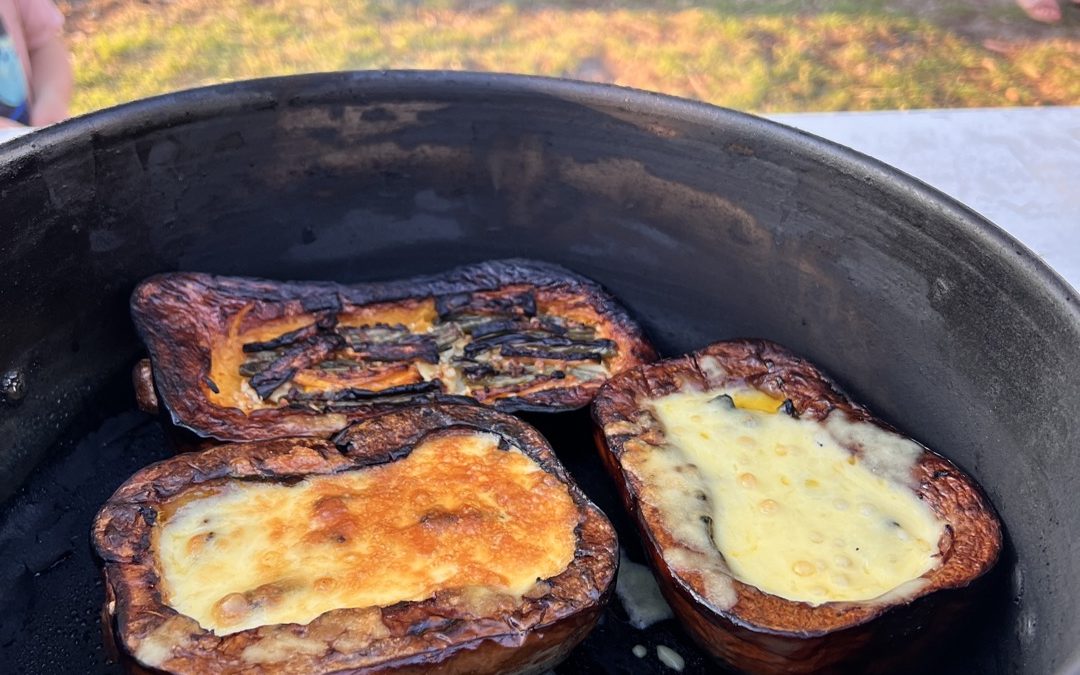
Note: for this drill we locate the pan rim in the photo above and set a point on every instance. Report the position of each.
(191, 105)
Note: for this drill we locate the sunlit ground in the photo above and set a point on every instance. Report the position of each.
(747, 54)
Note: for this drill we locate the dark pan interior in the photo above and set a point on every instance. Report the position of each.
(707, 223)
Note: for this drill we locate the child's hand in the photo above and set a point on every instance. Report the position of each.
(5, 123)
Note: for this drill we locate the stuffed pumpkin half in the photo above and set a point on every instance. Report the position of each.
(791, 531)
(248, 359)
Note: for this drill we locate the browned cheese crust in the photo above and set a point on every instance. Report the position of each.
(448, 632)
(247, 359)
(763, 632)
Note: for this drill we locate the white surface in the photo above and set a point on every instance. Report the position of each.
(1019, 167)
(7, 133)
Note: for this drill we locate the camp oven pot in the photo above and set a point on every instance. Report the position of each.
(706, 222)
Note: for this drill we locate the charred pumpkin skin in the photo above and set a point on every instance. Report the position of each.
(194, 326)
(440, 633)
(763, 633)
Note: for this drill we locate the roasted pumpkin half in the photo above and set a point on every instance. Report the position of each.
(441, 538)
(791, 531)
(246, 359)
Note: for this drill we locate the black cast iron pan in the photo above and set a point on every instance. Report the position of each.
(706, 222)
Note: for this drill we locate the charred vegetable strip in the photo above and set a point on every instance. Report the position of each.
(492, 341)
(292, 337)
(503, 384)
(484, 328)
(414, 348)
(258, 362)
(294, 358)
(363, 394)
(514, 304)
(356, 395)
(561, 349)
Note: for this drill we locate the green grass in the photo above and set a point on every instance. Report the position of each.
(774, 57)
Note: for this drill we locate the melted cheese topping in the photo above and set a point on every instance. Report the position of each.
(793, 510)
(457, 512)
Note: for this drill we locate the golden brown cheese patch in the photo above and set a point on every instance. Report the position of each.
(457, 512)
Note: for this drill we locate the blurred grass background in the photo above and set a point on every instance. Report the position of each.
(754, 55)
